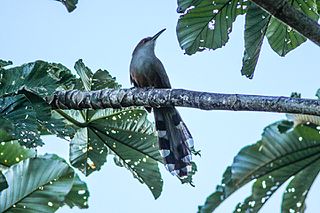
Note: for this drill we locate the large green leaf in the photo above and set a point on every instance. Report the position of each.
(298, 188)
(12, 152)
(37, 185)
(78, 195)
(87, 152)
(256, 25)
(20, 113)
(283, 38)
(128, 135)
(124, 133)
(208, 24)
(271, 161)
(30, 115)
(265, 186)
(41, 78)
(85, 74)
(49, 122)
(101, 79)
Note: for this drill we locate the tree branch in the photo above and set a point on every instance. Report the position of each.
(282, 10)
(116, 98)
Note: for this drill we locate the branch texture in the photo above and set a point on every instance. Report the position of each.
(116, 98)
(282, 10)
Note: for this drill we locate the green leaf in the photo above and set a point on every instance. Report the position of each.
(208, 24)
(283, 38)
(4, 63)
(265, 186)
(66, 79)
(69, 4)
(298, 188)
(124, 133)
(256, 25)
(85, 74)
(22, 116)
(102, 79)
(37, 185)
(12, 152)
(39, 77)
(271, 161)
(3, 182)
(128, 135)
(78, 195)
(49, 121)
(87, 152)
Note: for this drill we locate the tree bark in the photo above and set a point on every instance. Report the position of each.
(117, 98)
(282, 10)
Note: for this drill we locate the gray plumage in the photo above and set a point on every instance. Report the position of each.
(175, 140)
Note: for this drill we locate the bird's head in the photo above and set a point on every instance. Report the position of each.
(147, 44)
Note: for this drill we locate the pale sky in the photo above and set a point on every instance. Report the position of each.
(104, 33)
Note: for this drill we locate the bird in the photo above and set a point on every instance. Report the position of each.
(175, 142)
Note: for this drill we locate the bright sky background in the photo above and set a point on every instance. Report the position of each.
(103, 33)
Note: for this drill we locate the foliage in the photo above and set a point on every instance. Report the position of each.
(288, 152)
(124, 133)
(207, 25)
(278, 157)
(42, 184)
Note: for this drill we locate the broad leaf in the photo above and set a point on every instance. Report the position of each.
(84, 73)
(78, 195)
(87, 153)
(37, 185)
(30, 115)
(298, 188)
(257, 21)
(264, 187)
(20, 113)
(129, 136)
(49, 122)
(39, 77)
(69, 4)
(12, 152)
(208, 24)
(101, 79)
(124, 133)
(283, 38)
(271, 161)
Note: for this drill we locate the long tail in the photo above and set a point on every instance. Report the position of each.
(175, 141)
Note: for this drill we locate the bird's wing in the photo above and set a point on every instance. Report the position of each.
(159, 77)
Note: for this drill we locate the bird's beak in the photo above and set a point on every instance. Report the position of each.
(158, 34)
